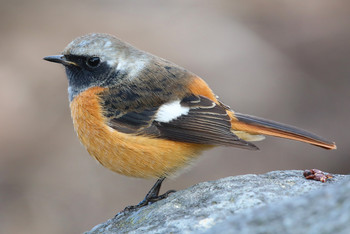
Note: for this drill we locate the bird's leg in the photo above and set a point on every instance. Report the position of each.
(152, 196)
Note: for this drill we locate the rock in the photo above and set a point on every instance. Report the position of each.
(275, 202)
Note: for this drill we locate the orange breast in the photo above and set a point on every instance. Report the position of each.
(130, 155)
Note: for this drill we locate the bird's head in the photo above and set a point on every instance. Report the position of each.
(99, 60)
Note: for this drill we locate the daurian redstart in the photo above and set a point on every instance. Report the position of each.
(143, 116)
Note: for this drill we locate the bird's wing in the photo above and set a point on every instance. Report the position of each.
(193, 119)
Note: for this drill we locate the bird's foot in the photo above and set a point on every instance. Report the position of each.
(151, 197)
(148, 200)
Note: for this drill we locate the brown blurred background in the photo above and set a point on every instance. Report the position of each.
(283, 60)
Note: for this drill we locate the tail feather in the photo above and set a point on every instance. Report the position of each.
(256, 125)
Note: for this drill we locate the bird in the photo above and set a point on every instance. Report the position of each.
(143, 116)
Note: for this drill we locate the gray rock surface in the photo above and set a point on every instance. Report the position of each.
(275, 202)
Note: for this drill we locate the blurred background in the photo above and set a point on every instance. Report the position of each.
(283, 60)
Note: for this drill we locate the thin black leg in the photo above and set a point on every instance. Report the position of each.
(152, 196)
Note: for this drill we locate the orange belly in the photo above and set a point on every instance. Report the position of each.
(136, 156)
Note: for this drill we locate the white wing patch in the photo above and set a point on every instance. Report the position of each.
(170, 111)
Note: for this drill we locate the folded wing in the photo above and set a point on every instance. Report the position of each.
(194, 119)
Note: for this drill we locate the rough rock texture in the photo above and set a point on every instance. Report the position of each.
(276, 202)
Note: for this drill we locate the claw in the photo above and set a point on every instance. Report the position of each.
(151, 197)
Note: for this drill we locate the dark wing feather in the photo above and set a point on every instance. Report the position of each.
(133, 122)
(205, 123)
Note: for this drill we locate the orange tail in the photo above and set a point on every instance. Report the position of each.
(255, 125)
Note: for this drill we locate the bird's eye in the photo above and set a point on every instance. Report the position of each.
(93, 62)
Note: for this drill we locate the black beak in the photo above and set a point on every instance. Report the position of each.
(60, 59)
